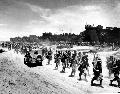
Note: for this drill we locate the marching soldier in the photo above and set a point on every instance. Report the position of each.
(79, 57)
(57, 59)
(44, 51)
(83, 66)
(116, 69)
(73, 57)
(49, 56)
(97, 69)
(63, 60)
(69, 58)
(110, 62)
(74, 65)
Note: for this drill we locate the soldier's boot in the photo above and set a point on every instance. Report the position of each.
(48, 61)
(101, 83)
(56, 67)
(111, 82)
(109, 75)
(71, 73)
(74, 74)
(63, 70)
(118, 82)
(85, 77)
(92, 82)
(80, 76)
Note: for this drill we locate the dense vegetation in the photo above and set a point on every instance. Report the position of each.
(66, 37)
(109, 35)
(91, 34)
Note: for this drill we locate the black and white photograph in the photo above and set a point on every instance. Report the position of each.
(59, 46)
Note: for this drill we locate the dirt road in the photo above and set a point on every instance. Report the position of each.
(16, 78)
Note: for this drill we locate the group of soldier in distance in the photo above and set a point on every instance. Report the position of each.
(78, 61)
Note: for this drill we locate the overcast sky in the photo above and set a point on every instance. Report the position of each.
(27, 17)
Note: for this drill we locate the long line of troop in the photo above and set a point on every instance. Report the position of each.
(79, 61)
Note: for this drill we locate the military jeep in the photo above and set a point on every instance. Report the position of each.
(33, 58)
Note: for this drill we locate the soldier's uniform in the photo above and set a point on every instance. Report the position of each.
(63, 60)
(57, 59)
(44, 51)
(49, 56)
(110, 62)
(69, 58)
(116, 69)
(74, 66)
(73, 58)
(97, 69)
(79, 57)
(83, 67)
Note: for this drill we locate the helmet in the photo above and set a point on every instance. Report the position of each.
(98, 59)
(27, 53)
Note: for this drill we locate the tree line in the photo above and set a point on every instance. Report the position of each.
(109, 35)
(90, 34)
(66, 37)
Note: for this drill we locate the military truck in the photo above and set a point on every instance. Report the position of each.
(33, 58)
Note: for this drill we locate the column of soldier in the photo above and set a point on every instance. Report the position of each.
(19, 48)
(79, 61)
